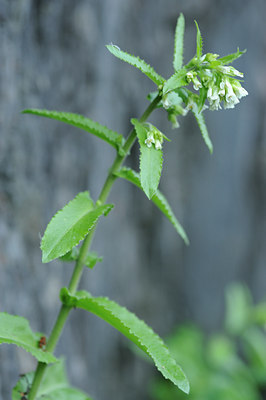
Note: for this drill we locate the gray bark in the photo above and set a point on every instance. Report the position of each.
(53, 56)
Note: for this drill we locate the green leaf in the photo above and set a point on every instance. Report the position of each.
(71, 255)
(70, 225)
(203, 128)
(179, 42)
(109, 136)
(231, 57)
(134, 329)
(259, 314)
(54, 385)
(176, 81)
(151, 161)
(238, 308)
(202, 98)
(16, 330)
(158, 199)
(199, 42)
(255, 352)
(136, 62)
(92, 259)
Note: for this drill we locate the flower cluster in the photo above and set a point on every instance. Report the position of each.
(154, 136)
(218, 80)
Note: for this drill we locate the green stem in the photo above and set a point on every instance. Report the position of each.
(76, 276)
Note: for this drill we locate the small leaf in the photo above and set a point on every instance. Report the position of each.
(179, 42)
(202, 98)
(158, 199)
(16, 330)
(199, 42)
(70, 225)
(134, 329)
(71, 255)
(92, 259)
(54, 385)
(176, 81)
(203, 128)
(109, 136)
(136, 62)
(151, 161)
(231, 57)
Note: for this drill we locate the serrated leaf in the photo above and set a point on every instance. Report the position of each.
(151, 161)
(113, 138)
(175, 81)
(199, 42)
(136, 62)
(134, 329)
(231, 57)
(158, 199)
(54, 385)
(70, 225)
(16, 330)
(203, 128)
(179, 42)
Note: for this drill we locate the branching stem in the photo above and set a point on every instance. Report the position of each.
(76, 276)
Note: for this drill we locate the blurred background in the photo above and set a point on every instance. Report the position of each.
(53, 56)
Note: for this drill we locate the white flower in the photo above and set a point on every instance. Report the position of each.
(239, 90)
(222, 89)
(191, 105)
(158, 144)
(229, 70)
(196, 84)
(149, 140)
(215, 104)
(189, 76)
(230, 94)
(213, 97)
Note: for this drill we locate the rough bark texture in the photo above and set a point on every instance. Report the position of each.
(53, 56)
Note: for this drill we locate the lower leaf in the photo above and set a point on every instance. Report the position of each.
(16, 330)
(134, 329)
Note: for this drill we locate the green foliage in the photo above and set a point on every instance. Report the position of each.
(199, 42)
(231, 57)
(151, 161)
(134, 329)
(212, 366)
(176, 81)
(88, 125)
(238, 309)
(179, 39)
(16, 330)
(215, 367)
(136, 62)
(91, 259)
(158, 199)
(70, 225)
(203, 128)
(54, 385)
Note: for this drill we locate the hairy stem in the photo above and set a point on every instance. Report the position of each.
(76, 276)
